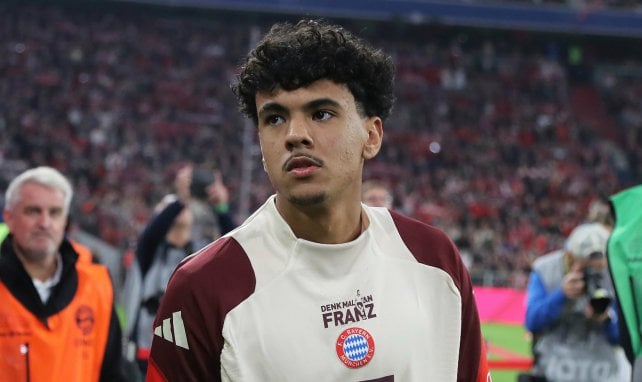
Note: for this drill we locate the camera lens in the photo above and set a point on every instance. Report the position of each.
(201, 179)
(600, 298)
(600, 301)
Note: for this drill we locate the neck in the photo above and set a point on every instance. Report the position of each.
(326, 226)
(38, 268)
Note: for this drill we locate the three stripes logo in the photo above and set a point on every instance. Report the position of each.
(173, 330)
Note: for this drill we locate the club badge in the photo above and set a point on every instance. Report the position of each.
(355, 347)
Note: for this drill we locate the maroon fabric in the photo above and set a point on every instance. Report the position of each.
(432, 247)
(204, 288)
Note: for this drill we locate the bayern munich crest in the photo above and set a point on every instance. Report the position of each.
(355, 347)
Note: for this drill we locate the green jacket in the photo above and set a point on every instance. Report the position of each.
(4, 231)
(625, 264)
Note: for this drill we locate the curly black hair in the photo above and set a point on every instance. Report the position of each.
(293, 56)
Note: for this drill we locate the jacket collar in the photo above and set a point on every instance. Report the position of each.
(19, 283)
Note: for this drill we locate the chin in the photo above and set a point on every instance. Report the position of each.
(307, 200)
(39, 253)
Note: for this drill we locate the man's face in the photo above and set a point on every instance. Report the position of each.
(377, 197)
(314, 142)
(596, 261)
(37, 221)
(181, 230)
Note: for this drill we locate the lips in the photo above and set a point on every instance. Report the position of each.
(301, 162)
(41, 235)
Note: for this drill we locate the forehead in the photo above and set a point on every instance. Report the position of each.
(376, 190)
(37, 194)
(591, 262)
(300, 97)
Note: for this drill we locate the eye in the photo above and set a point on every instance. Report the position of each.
(31, 211)
(322, 115)
(56, 212)
(273, 119)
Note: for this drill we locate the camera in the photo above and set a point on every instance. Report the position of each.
(201, 180)
(600, 298)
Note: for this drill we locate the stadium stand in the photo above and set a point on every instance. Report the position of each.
(489, 139)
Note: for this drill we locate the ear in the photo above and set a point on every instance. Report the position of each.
(374, 128)
(6, 217)
(262, 155)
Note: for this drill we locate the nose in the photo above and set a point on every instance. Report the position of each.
(298, 133)
(45, 219)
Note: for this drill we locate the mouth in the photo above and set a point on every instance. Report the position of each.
(302, 165)
(40, 235)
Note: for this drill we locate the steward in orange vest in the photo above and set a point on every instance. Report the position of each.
(74, 336)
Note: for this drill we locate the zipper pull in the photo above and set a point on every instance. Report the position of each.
(24, 350)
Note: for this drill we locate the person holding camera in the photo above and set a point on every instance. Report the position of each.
(570, 312)
(166, 240)
(209, 207)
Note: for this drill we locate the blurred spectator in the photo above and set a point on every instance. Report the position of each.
(599, 211)
(165, 242)
(571, 314)
(376, 194)
(210, 207)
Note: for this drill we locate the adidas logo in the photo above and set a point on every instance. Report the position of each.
(173, 330)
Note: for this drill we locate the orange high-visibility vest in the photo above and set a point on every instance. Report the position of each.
(71, 346)
(83, 251)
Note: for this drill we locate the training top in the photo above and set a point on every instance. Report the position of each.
(259, 304)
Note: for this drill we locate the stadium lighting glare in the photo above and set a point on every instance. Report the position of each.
(434, 147)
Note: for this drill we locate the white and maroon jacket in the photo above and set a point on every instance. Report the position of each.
(259, 304)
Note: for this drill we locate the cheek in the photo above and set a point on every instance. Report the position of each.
(183, 238)
(60, 227)
(350, 146)
(272, 157)
(178, 237)
(599, 264)
(347, 154)
(268, 147)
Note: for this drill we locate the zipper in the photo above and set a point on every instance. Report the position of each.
(637, 312)
(24, 349)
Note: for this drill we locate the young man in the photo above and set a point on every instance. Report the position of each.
(314, 286)
(57, 317)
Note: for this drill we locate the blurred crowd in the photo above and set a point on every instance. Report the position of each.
(483, 141)
(592, 5)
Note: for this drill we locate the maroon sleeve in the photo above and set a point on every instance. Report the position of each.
(433, 247)
(204, 288)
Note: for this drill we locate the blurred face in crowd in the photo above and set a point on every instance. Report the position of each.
(37, 221)
(595, 261)
(377, 196)
(180, 232)
(314, 142)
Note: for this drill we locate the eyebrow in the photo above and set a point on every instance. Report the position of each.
(271, 107)
(312, 105)
(317, 103)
